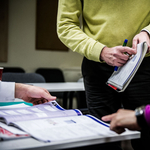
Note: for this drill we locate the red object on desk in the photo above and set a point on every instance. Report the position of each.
(5, 134)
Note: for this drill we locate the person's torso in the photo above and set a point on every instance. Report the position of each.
(112, 21)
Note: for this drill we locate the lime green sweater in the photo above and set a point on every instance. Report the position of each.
(105, 23)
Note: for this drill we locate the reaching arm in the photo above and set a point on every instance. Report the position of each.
(122, 119)
(133, 120)
(32, 94)
(69, 32)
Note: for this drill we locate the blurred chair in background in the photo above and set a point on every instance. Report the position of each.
(13, 69)
(54, 75)
(51, 74)
(23, 77)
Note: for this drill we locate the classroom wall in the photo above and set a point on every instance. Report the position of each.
(21, 43)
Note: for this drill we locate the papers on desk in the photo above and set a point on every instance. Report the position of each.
(12, 129)
(64, 128)
(50, 122)
(8, 132)
(22, 105)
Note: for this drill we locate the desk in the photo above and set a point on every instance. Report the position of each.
(63, 87)
(32, 144)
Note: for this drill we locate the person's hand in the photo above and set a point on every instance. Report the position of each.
(141, 37)
(115, 56)
(32, 94)
(121, 120)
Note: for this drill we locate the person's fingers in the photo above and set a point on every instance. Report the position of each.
(108, 117)
(47, 95)
(44, 101)
(35, 101)
(129, 51)
(118, 130)
(135, 42)
(148, 50)
(39, 101)
(113, 127)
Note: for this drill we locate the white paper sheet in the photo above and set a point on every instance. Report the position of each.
(57, 129)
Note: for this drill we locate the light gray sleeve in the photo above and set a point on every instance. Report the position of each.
(7, 91)
(146, 31)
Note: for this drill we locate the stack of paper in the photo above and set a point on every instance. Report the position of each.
(120, 79)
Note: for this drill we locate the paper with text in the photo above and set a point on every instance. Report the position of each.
(121, 78)
(47, 110)
(64, 128)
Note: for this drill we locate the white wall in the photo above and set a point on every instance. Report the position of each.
(21, 42)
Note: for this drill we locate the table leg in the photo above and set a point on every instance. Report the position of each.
(71, 99)
(65, 98)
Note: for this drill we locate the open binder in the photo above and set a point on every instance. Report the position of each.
(49, 122)
(120, 79)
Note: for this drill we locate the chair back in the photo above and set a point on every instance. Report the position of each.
(13, 69)
(51, 74)
(23, 77)
(54, 75)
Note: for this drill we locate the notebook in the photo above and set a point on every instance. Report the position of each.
(120, 79)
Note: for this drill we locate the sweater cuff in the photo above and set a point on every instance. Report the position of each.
(97, 49)
(7, 91)
(146, 31)
(147, 114)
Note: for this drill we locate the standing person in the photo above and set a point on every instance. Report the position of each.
(31, 94)
(106, 24)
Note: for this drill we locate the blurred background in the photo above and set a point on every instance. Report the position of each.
(20, 39)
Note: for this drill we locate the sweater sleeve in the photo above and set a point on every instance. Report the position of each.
(7, 91)
(69, 32)
(147, 29)
(147, 114)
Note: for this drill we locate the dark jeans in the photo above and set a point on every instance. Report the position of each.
(103, 100)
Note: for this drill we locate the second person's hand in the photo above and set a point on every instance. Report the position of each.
(116, 56)
(141, 37)
(32, 94)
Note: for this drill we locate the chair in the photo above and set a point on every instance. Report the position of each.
(23, 77)
(13, 69)
(52, 75)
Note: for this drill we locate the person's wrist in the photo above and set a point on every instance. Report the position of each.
(140, 116)
(146, 32)
(20, 90)
(101, 58)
